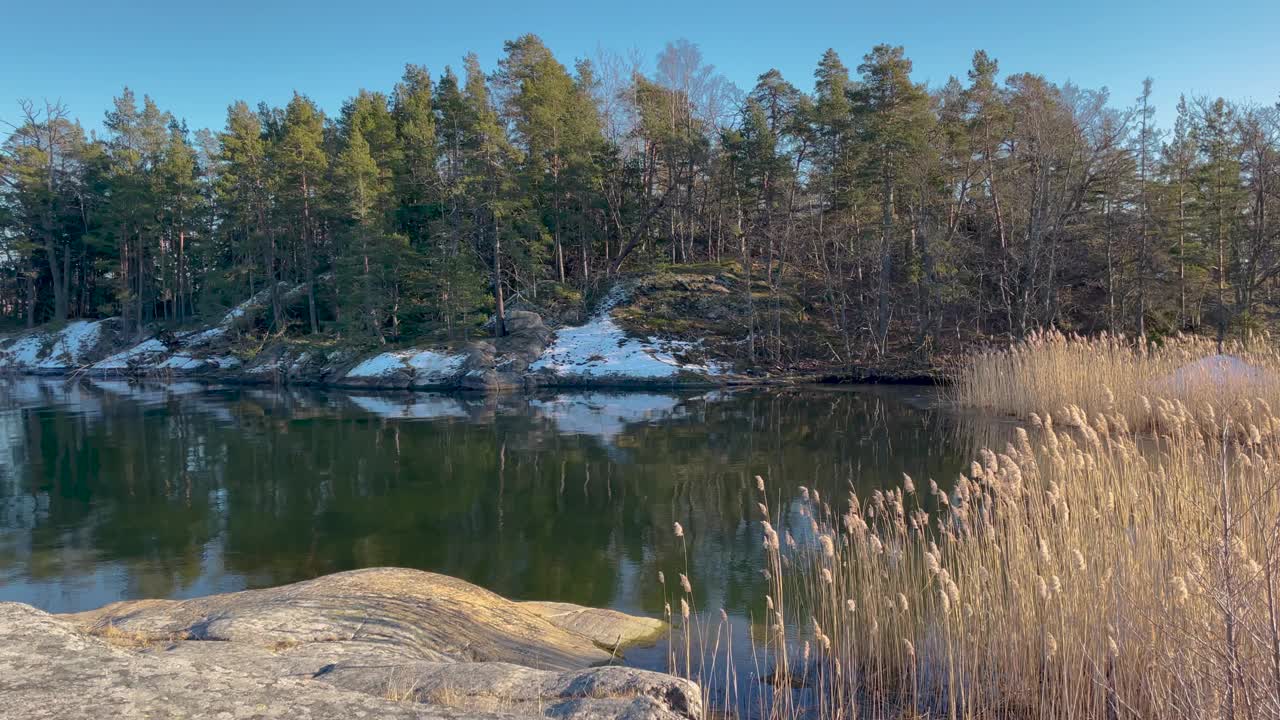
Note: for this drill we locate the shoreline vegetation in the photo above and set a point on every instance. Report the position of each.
(1120, 562)
(862, 223)
(1074, 379)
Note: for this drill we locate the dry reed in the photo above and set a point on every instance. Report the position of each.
(1110, 374)
(1083, 572)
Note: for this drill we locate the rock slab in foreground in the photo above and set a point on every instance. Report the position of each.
(370, 643)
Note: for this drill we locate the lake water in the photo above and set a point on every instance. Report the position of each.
(111, 490)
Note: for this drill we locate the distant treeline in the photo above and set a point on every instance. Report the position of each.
(907, 217)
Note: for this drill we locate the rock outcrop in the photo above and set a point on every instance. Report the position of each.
(382, 642)
(502, 363)
(599, 352)
(68, 348)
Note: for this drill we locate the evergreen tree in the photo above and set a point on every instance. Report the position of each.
(241, 191)
(1219, 199)
(302, 166)
(370, 255)
(488, 159)
(1178, 167)
(894, 120)
(557, 128)
(874, 212)
(181, 205)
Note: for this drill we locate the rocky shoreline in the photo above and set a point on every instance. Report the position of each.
(596, 353)
(380, 642)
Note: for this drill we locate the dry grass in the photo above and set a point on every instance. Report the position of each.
(1089, 572)
(131, 639)
(1051, 372)
(405, 689)
(452, 696)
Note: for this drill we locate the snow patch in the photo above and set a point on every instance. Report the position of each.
(182, 362)
(66, 348)
(200, 338)
(601, 348)
(424, 365)
(263, 369)
(72, 343)
(141, 352)
(24, 352)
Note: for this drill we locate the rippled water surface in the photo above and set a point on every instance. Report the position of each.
(111, 490)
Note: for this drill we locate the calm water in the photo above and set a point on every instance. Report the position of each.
(111, 491)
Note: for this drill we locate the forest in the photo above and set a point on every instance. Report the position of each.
(908, 220)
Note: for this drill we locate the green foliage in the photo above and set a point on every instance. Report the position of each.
(870, 219)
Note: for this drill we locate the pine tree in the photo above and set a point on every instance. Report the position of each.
(180, 195)
(557, 127)
(1178, 161)
(416, 176)
(1146, 142)
(1219, 198)
(138, 139)
(369, 256)
(894, 120)
(241, 189)
(302, 164)
(488, 158)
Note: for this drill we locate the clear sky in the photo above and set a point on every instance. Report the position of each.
(195, 58)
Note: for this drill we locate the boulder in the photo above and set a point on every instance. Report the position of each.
(523, 321)
(53, 671)
(500, 364)
(1219, 376)
(401, 640)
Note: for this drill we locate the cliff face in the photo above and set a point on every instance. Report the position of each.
(382, 642)
(609, 348)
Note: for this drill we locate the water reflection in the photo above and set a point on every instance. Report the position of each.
(110, 490)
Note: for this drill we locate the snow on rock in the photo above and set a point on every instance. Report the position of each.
(72, 344)
(606, 415)
(144, 352)
(182, 363)
(24, 353)
(601, 349)
(265, 368)
(63, 349)
(200, 338)
(258, 299)
(424, 366)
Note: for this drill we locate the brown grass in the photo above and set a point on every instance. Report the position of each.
(132, 639)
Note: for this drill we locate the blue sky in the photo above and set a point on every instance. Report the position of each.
(195, 58)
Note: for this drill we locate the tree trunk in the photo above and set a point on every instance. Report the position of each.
(886, 262)
(309, 257)
(1182, 256)
(31, 302)
(500, 311)
(57, 275)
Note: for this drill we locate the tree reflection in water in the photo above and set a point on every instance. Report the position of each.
(110, 490)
